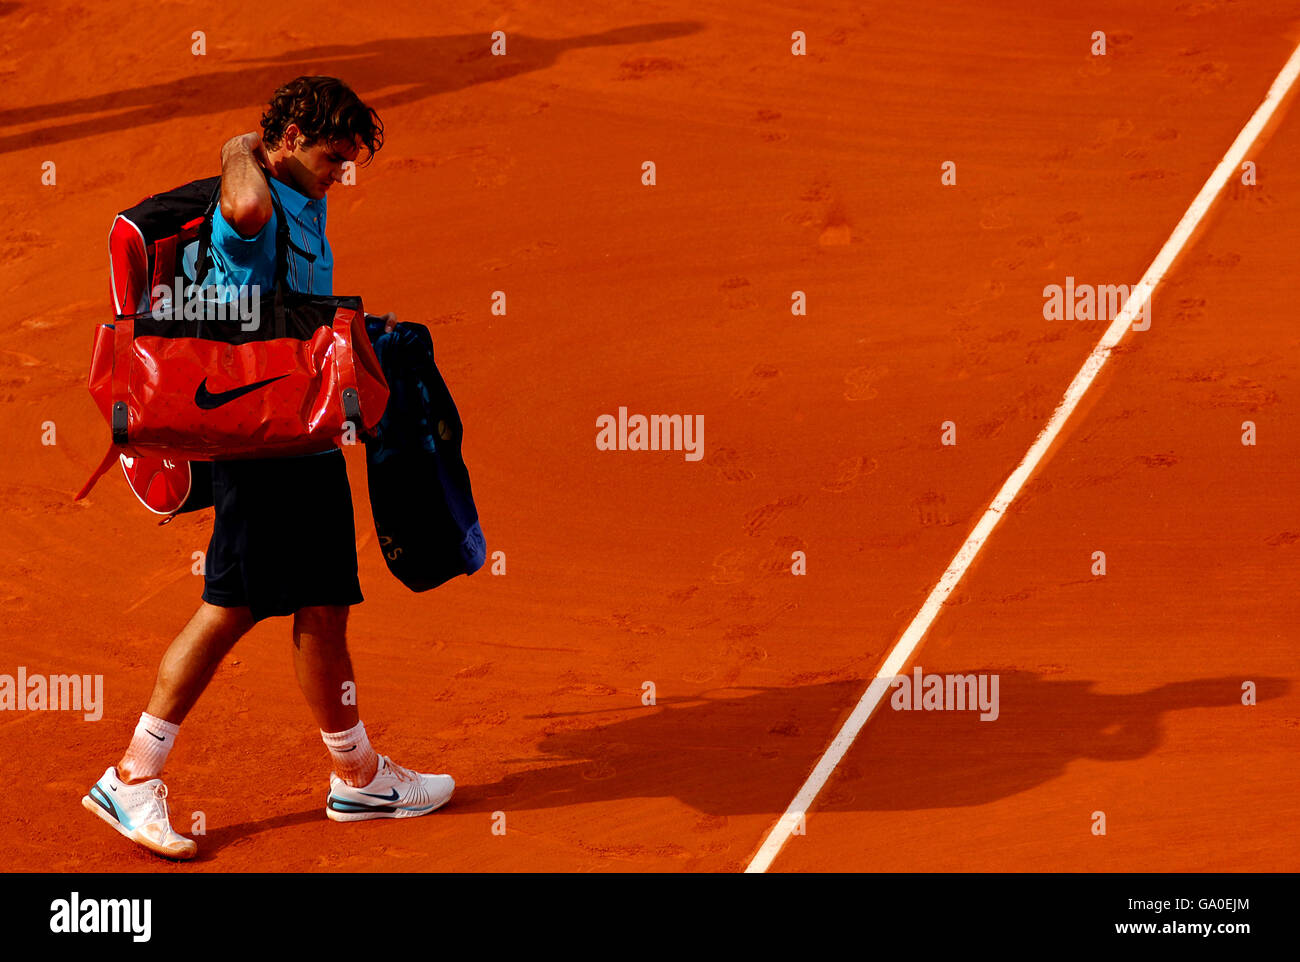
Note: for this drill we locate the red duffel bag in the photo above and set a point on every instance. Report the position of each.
(281, 373)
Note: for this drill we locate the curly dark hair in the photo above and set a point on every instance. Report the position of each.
(324, 108)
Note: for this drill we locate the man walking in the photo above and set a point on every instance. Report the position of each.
(283, 540)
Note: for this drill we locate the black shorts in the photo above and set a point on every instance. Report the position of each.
(283, 537)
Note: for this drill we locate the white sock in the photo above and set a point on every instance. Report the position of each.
(150, 744)
(354, 760)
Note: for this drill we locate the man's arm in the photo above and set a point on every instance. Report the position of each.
(245, 196)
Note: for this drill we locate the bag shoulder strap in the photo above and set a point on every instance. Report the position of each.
(205, 236)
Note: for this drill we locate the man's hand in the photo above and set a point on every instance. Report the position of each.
(389, 319)
(252, 141)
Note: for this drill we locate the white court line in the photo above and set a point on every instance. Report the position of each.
(907, 644)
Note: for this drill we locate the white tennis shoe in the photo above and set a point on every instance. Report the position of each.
(139, 812)
(395, 792)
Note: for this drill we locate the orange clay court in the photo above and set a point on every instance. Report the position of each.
(1120, 693)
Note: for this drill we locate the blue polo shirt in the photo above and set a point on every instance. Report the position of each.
(251, 260)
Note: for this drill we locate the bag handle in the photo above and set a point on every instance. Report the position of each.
(282, 242)
(344, 325)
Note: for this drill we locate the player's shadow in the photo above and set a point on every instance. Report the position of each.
(407, 69)
(740, 751)
(218, 838)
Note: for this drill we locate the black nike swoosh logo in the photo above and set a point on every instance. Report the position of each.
(206, 400)
(161, 738)
(387, 798)
(344, 751)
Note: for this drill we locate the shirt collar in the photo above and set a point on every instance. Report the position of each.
(294, 203)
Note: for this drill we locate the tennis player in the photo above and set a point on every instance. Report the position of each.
(283, 540)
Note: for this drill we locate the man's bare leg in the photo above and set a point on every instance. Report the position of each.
(323, 666)
(368, 785)
(189, 664)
